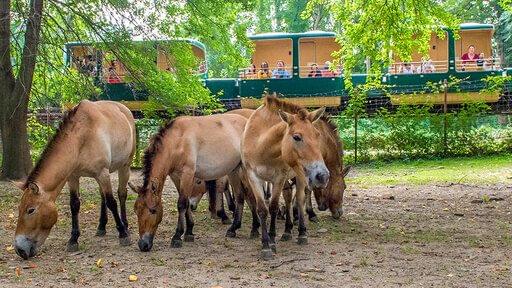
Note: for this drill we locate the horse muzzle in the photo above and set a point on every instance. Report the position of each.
(146, 242)
(24, 247)
(318, 175)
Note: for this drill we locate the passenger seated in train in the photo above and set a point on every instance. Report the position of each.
(88, 66)
(250, 72)
(280, 72)
(314, 71)
(264, 72)
(426, 66)
(469, 57)
(326, 70)
(407, 68)
(112, 77)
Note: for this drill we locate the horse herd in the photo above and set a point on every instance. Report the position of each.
(279, 148)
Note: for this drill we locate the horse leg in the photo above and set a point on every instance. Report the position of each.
(309, 207)
(229, 198)
(299, 196)
(124, 176)
(288, 198)
(259, 194)
(212, 198)
(235, 182)
(277, 188)
(189, 235)
(74, 204)
(219, 202)
(101, 231)
(251, 201)
(106, 189)
(186, 186)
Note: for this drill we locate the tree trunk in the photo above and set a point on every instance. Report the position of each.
(16, 162)
(15, 91)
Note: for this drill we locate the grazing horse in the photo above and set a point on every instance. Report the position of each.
(280, 142)
(187, 148)
(94, 140)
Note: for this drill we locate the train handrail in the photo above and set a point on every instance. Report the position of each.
(487, 64)
(419, 67)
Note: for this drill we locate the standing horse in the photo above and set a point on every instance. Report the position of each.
(187, 148)
(277, 146)
(94, 140)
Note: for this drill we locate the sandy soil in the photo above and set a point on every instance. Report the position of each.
(432, 235)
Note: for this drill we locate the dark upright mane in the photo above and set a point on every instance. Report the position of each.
(333, 129)
(153, 148)
(274, 104)
(64, 125)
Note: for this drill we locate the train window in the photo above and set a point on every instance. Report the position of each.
(473, 51)
(435, 62)
(113, 71)
(84, 59)
(272, 58)
(315, 57)
(165, 60)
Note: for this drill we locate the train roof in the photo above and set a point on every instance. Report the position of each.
(281, 35)
(193, 42)
(312, 34)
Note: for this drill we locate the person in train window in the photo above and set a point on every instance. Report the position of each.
(112, 77)
(280, 72)
(407, 68)
(264, 72)
(326, 70)
(314, 71)
(469, 56)
(426, 66)
(88, 66)
(480, 61)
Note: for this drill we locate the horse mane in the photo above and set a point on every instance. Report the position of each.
(333, 131)
(274, 104)
(152, 150)
(67, 120)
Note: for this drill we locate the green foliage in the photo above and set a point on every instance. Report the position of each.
(378, 27)
(39, 135)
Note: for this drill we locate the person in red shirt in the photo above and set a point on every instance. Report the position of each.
(469, 57)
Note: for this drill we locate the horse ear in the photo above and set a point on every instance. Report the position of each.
(19, 183)
(286, 117)
(346, 170)
(134, 188)
(33, 188)
(315, 115)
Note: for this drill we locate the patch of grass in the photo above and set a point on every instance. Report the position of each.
(397, 235)
(158, 261)
(474, 170)
(409, 249)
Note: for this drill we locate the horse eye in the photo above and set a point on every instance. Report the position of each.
(297, 137)
(31, 210)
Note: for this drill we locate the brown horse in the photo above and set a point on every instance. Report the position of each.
(94, 140)
(187, 148)
(280, 142)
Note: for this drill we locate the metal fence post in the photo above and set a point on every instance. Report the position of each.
(355, 138)
(445, 120)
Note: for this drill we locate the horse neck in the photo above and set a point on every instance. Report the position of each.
(162, 165)
(272, 131)
(59, 165)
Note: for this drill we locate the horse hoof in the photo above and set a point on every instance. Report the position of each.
(230, 234)
(286, 237)
(72, 247)
(189, 238)
(101, 233)
(267, 254)
(313, 219)
(226, 221)
(255, 234)
(176, 243)
(273, 247)
(302, 240)
(125, 241)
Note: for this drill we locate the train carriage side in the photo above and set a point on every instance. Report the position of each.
(112, 76)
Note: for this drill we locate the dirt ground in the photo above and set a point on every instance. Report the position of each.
(434, 235)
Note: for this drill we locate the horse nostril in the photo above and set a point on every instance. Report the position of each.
(22, 253)
(144, 246)
(152, 210)
(321, 177)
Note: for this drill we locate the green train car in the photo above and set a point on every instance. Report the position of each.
(298, 66)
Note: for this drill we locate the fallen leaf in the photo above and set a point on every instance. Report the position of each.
(132, 278)
(217, 286)
(11, 215)
(305, 275)
(17, 271)
(30, 265)
(99, 263)
(9, 249)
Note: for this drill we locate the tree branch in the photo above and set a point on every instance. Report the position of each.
(28, 59)
(6, 75)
